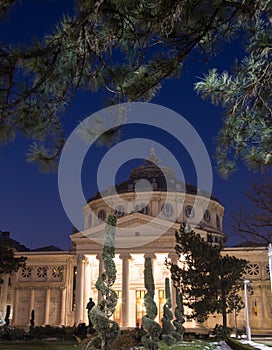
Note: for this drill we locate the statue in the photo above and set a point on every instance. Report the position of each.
(89, 307)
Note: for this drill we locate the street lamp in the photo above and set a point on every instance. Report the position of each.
(248, 332)
(270, 262)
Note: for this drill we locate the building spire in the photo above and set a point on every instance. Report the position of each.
(152, 156)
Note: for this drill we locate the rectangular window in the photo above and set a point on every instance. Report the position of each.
(161, 304)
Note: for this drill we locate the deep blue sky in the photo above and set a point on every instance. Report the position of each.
(31, 208)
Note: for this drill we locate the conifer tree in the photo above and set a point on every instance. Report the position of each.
(128, 48)
(107, 329)
(152, 328)
(8, 262)
(208, 280)
(167, 327)
(179, 314)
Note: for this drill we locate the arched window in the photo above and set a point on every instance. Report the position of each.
(207, 215)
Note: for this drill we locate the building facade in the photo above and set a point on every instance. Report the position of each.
(57, 285)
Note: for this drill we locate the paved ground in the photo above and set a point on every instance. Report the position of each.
(259, 343)
(263, 340)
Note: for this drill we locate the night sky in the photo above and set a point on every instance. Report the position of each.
(31, 208)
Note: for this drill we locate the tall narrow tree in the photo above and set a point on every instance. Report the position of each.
(179, 314)
(152, 328)
(167, 327)
(107, 329)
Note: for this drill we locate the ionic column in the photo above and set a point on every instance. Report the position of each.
(47, 306)
(100, 271)
(31, 302)
(63, 306)
(125, 288)
(79, 290)
(87, 288)
(174, 260)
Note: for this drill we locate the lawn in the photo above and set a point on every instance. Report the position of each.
(30, 345)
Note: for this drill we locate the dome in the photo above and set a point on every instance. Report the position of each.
(161, 179)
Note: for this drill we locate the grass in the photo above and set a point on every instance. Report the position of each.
(192, 345)
(30, 345)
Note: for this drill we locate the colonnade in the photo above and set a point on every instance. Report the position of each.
(84, 283)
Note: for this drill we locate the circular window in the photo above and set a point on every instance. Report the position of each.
(102, 214)
(207, 215)
(119, 211)
(167, 209)
(189, 211)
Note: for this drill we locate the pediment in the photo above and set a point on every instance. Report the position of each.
(132, 230)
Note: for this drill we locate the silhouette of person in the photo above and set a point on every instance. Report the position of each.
(89, 307)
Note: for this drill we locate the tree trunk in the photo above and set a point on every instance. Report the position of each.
(224, 310)
(224, 315)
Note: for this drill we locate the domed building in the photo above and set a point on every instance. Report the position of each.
(150, 207)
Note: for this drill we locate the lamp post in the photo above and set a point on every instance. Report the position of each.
(270, 262)
(248, 332)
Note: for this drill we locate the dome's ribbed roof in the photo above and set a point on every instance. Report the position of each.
(161, 179)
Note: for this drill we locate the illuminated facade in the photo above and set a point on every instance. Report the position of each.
(57, 284)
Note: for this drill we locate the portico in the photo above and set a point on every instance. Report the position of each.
(129, 283)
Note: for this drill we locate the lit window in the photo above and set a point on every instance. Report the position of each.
(57, 272)
(140, 308)
(161, 304)
(118, 307)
